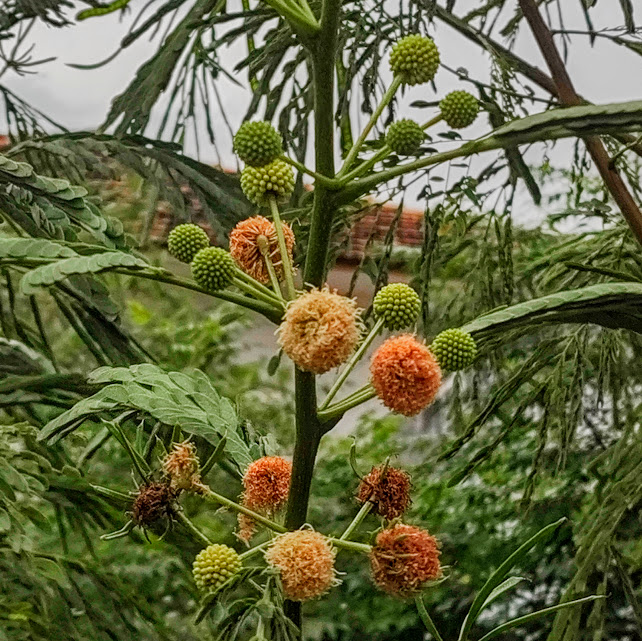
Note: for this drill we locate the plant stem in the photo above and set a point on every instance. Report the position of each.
(328, 182)
(190, 527)
(283, 248)
(264, 247)
(225, 502)
(255, 550)
(260, 286)
(367, 341)
(255, 293)
(356, 522)
(385, 99)
(433, 121)
(353, 546)
(338, 409)
(163, 276)
(427, 621)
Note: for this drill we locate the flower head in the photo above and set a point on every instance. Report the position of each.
(182, 468)
(245, 249)
(185, 241)
(152, 503)
(215, 565)
(405, 375)
(397, 305)
(415, 59)
(388, 489)
(403, 558)
(320, 330)
(305, 560)
(275, 179)
(267, 483)
(454, 349)
(404, 137)
(258, 143)
(247, 527)
(459, 109)
(213, 268)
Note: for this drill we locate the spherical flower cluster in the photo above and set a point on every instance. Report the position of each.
(320, 330)
(403, 558)
(415, 59)
(152, 503)
(404, 137)
(305, 560)
(266, 483)
(213, 268)
(459, 109)
(215, 565)
(258, 143)
(388, 489)
(275, 179)
(405, 375)
(397, 305)
(182, 468)
(185, 241)
(245, 249)
(247, 527)
(454, 349)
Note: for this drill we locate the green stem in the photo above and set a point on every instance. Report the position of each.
(225, 502)
(251, 46)
(432, 121)
(367, 341)
(255, 293)
(301, 20)
(260, 286)
(356, 522)
(269, 311)
(338, 409)
(427, 621)
(264, 247)
(353, 546)
(255, 550)
(385, 99)
(190, 527)
(283, 248)
(328, 182)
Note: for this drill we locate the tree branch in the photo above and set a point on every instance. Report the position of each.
(569, 97)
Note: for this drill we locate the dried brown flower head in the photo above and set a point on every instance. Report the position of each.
(388, 489)
(244, 246)
(267, 483)
(320, 330)
(403, 558)
(405, 375)
(305, 560)
(247, 527)
(152, 503)
(182, 468)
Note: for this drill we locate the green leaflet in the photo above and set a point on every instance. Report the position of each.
(53, 273)
(615, 305)
(174, 398)
(498, 577)
(33, 248)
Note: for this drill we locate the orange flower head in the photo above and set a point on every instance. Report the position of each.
(403, 558)
(267, 483)
(182, 468)
(388, 489)
(320, 330)
(305, 560)
(245, 240)
(405, 375)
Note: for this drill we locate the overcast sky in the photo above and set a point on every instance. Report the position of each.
(80, 99)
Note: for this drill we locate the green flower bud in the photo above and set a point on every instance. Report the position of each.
(276, 179)
(185, 241)
(459, 109)
(404, 137)
(415, 59)
(214, 565)
(258, 143)
(213, 268)
(398, 305)
(454, 349)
